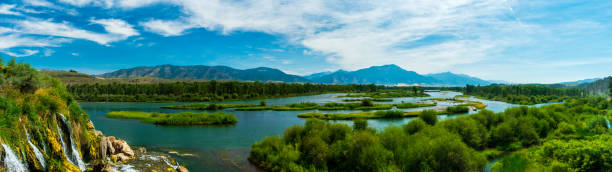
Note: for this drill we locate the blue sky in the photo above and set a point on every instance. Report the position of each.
(513, 40)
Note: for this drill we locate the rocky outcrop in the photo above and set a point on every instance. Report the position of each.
(118, 150)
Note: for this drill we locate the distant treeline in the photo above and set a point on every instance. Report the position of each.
(599, 87)
(204, 91)
(524, 94)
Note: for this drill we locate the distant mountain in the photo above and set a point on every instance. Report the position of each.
(451, 79)
(317, 75)
(381, 75)
(581, 81)
(599, 87)
(201, 72)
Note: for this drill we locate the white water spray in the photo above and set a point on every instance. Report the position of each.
(75, 152)
(39, 155)
(11, 161)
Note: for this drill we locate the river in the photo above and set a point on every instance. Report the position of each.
(226, 148)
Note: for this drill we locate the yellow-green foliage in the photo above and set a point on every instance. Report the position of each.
(183, 118)
(209, 106)
(32, 101)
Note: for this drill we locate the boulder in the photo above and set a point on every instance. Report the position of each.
(90, 125)
(122, 157)
(142, 150)
(122, 147)
(102, 166)
(182, 169)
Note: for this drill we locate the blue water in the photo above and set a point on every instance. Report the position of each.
(225, 148)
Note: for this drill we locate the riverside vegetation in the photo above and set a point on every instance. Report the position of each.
(182, 118)
(524, 94)
(570, 136)
(42, 127)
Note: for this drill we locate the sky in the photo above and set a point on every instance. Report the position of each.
(520, 41)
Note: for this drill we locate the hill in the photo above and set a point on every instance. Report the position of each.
(451, 79)
(200, 72)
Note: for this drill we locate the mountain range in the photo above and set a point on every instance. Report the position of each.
(380, 75)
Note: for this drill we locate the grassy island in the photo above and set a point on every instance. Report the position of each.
(383, 114)
(369, 99)
(389, 94)
(201, 106)
(364, 105)
(183, 118)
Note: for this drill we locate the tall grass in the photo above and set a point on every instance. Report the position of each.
(183, 118)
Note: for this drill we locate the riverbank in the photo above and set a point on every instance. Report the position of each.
(183, 118)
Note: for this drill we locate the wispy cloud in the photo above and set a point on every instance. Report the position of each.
(166, 28)
(117, 30)
(7, 9)
(25, 52)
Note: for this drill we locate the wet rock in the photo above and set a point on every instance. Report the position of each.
(90, 125)
(142, 150)
(122, 157)
(182, 169)
(102, 166)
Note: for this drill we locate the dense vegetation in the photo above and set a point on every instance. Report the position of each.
(524, 94)
(364, 105)
(451, 110)
(571, 136)
(31, 102)
(201, 106)
(415, 92)
(203, 91)
(182, 118)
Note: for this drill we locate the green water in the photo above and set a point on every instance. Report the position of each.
(225, 148)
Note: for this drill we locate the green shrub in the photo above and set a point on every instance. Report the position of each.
(429, 116)
(415, 126)
(360, 124)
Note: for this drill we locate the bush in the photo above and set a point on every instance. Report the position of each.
(367, 103)
(390, 113)
(457, 109)
(429, 116)
(360, 124)
(415, 126)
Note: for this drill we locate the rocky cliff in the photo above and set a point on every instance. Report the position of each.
(42, 128)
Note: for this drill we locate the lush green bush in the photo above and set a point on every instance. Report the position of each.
(457, 109)
(415, 126)
(429, 116)
(390, 113)
(360, 124)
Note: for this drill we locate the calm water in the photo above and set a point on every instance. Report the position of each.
(225, 148)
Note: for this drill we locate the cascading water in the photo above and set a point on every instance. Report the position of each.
(76, 157)
(11, 161)
(39, 155)
(64, 146)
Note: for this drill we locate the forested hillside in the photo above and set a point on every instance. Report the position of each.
(204, 91)
(524, 94)
(599, 87)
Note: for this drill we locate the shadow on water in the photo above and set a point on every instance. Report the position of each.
(230, 160)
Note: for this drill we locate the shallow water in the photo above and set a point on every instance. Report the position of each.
(225, 148)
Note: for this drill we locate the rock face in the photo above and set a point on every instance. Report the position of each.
(117, 149)
(182, 169)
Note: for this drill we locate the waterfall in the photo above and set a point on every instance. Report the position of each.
(608, 122)
(11, 161)
(64, 146)
(75, 152)
(39, 155)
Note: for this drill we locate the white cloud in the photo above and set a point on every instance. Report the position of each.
(7, 9)
(116, 26)
(118, 30)
(356, 34)
(166, 28)
(75, 54)
(16, 40)
(48, 52)
(26, 52)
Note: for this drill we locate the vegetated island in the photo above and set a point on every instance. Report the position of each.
(451, 110)
(390, 94)
(201, 106)
(368, 99)
(182, 118)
